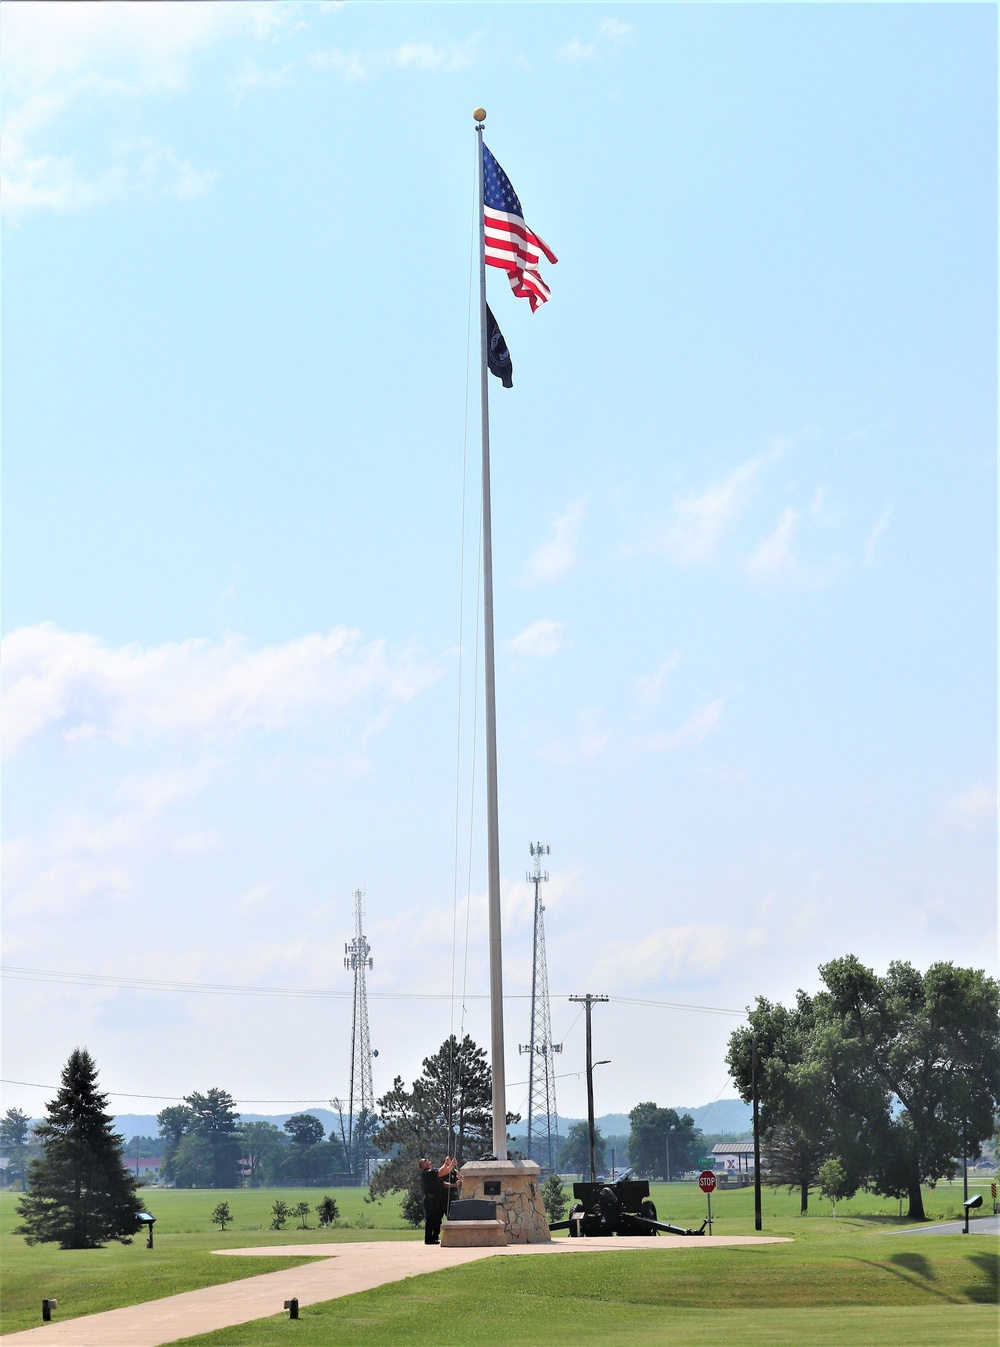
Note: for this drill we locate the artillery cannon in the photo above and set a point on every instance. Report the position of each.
(620, 1208)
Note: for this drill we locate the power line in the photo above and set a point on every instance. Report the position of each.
(58, 977)
(174, 1098)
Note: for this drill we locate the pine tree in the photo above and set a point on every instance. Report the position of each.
(79, 1193)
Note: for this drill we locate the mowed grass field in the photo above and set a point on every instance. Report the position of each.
(846, 1280)
(87, 1280)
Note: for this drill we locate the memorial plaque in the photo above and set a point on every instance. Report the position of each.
(491, 1187)
(472, 1209)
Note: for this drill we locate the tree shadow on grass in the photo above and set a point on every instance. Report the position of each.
(905, 1275)
(914, 1262)
(987, 1291)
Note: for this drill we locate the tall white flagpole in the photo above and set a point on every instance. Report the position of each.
(492, 812)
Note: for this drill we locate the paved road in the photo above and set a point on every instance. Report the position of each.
(985, 1225)
(339, 1270)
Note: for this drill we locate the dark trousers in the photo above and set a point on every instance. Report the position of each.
(433, 1216)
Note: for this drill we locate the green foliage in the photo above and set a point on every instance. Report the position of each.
(309, 1159)
(15, 1132)
(221, 1215)
(894, 1075)
(79, 1194)
(215, 1122)
(793, 1156)
(262, 1145)
(175, 1123)
(327, 1212)
(574, 1153)
(659, 1140)
(554, 1198)
(833, 1181)
(280, 1213)
(14, 1128)
(302, 1211)
(304, 1129)
(449, 1107)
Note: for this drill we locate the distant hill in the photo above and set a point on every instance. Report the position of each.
(725, 1115)
(145, 1124)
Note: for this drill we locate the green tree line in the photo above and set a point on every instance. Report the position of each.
(896, 1078)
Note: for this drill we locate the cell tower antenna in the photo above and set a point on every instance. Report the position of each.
(362, 1095)
(543, 1116)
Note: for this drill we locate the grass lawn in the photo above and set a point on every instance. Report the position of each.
(843, 1280)
(857, 1286)
(85, 1281)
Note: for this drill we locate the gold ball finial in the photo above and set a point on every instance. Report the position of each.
(479, 114)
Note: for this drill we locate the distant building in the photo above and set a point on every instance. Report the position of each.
(145, 1167)
(732, 1162)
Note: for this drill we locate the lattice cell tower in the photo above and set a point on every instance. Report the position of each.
(359, 960)
(543, 1118)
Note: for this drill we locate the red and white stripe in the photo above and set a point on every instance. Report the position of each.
(511, 245)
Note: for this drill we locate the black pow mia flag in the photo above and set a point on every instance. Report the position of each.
(497, 355)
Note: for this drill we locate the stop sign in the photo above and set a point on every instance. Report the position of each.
(706, 1181)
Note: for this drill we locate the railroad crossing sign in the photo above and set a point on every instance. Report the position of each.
(706, 1181)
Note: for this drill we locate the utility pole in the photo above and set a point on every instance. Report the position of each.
(541, 1073)
(589, 1001)
(758, 1223)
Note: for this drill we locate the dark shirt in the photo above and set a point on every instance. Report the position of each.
(432, 1185)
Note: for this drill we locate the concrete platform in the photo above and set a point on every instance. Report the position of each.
(473, 1235)
(340, 1270)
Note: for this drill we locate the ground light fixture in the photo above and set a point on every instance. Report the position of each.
(292, 1306)
(47, 1307)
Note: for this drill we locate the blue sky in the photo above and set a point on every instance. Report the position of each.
(744, 519)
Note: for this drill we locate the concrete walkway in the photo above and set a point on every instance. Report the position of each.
(340, 1270)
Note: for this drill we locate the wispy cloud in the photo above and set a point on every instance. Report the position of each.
(672, 954)
(701, 520)
(62, 58)
(610, 34)
(648, 688)
(556, 556)
(442, 58)
(880, 526)
(773, 558)
(971, 811)
(698, 726)
(74, 684)
(540, 640)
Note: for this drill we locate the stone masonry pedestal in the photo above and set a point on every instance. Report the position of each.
(513, 1185)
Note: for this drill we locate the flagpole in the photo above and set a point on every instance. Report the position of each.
(492, 810)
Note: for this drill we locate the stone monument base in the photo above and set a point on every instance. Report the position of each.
(473, 1234)
(513, 1185)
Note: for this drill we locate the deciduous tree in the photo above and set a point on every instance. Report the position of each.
(660, 1139)
(574, 1153)
(901, 1072)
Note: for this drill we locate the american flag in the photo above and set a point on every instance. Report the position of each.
(510, 244)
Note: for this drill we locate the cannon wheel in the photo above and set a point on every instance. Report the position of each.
(648, 1210)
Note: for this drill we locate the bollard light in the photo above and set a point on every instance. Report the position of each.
(47, 1307)
(292, 1306)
